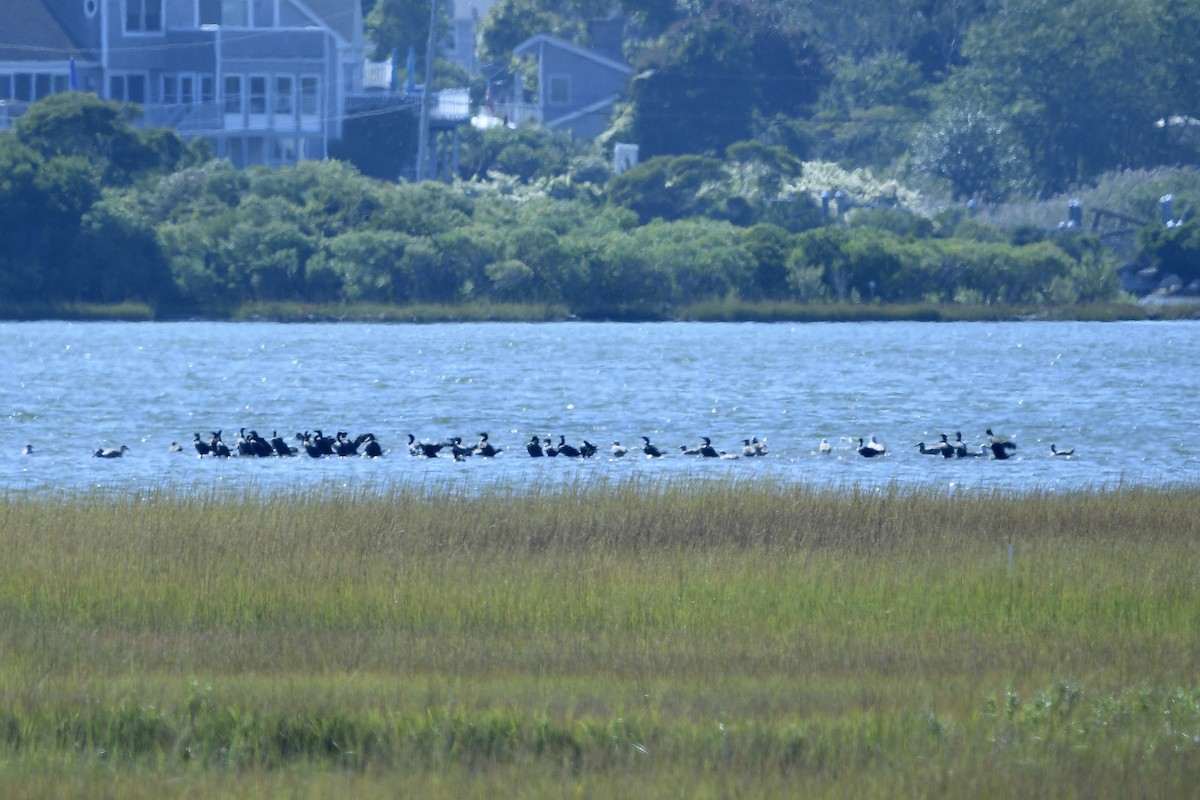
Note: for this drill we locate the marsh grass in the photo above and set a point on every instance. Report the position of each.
(664, 639)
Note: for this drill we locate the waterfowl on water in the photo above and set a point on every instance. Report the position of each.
(749, 450)
(485, 448)
(960, 447)
(371, 446)
(115, 452)
(825, 448)
(649, 449)
(174, 447)
(619, 450)
(280, 447)
(1000, 450)
(564, 449)
(458, 450)
(936, 450)
(587, 449)
(534, 448)
(423, 449)
(871, 448)
(548, 447)
(707, 450)
(1054, 451)
(27, 450)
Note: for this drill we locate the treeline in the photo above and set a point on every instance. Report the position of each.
(84, 221)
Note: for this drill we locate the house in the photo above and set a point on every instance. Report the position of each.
(264, 81)
(576, 87)
(459, 45)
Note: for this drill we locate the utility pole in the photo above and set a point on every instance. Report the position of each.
(426, 95)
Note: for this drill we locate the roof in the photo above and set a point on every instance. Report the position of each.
(31, 33)
(344, 17)
(546, 39)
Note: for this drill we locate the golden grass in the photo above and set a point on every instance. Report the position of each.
(653, 639)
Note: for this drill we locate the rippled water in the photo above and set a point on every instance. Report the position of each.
(1122, 394)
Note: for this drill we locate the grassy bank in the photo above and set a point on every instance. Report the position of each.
(716, 311)
(668, 640)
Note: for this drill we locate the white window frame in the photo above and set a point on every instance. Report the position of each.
(140, 8)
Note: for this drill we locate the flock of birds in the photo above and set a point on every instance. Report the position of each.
(317, 445)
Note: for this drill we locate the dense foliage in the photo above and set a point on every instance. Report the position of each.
(675, 231)
(978, 99)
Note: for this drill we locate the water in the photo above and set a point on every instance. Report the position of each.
(1122, 394)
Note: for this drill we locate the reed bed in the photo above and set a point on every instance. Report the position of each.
(653, 639)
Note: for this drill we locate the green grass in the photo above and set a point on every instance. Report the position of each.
(670, 639)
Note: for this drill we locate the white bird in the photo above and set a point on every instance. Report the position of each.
(825, 448)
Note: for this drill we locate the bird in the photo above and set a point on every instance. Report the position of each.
(688, 451)
(548, 447)
(343, 447)
(217, 446)
(323, 443)
(871, 449)
(749, 450)
(619, 450)
(534, 448)
(27, 450)
(760, 448)
(310, 445)
(458, 450)
(942, 448)
(371, 446)
(564, 449)
(960, 447)
(423, 449)
(1000, 450)
(281, 447)
(587, 449)
(174, 447)
(1054, 451)
(485, 448)
(243, 446)
(825, 448)
(114, 452)
(707, 450)
(649, 449)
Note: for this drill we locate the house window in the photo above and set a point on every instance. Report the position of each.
(210, 12)
(170, 90)
(235, 13)
(258, 94)
(233, 94)
(129, 88)
(187, 89)
(6, 87)
(206, 89)
(560, 90)
(143, 16)
(285, 102)
(23, 87)
(264, 13)
(309, 93)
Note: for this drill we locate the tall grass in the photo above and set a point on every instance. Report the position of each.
(662, 639)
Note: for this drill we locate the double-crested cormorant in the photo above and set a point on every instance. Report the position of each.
(1054, 451)
(371, 446)
(568, 450)
(485, 448)
(707, 450)
(534, 448)
(649, 449)
(114, 452)
(423, 449)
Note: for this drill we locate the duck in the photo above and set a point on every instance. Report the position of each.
(760, 448)
(534, 447)
(371, 446)
(485, 448)
(1000, 450)
(825, 448)
(871, 449)
(619, 450)
(217, 446)
(458, 450)
(1054, 451)
(27, 450)
(423, 449)
(114, 452)
(174, 447)
(749, 450)
(942, 448)
(280, 447)
(649, 449)
(310, 445)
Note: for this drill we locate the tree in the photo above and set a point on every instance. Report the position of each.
(510, 22)
(703, 86)
(976, 155)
